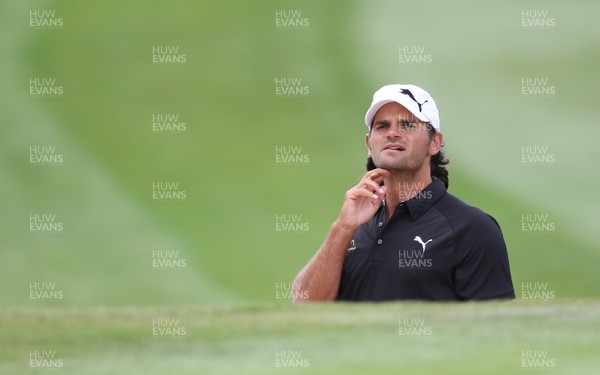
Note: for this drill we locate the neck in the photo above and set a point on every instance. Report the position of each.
(404, 185)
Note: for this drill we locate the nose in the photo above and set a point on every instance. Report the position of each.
(394, 130)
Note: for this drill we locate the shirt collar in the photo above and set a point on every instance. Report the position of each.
(420, 203)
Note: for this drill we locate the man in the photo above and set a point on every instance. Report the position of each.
(400, 235)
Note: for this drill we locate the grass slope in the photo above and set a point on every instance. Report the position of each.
(470, 338)
(225, 159)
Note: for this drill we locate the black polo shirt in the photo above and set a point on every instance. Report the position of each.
(434, 247)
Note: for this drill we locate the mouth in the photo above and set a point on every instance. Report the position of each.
(394, 147)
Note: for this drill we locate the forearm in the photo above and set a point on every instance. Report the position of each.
(319, 280)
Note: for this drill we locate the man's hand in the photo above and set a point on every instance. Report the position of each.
(363, 200)
(319, 280)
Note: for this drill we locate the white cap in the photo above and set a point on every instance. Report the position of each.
(411, 97)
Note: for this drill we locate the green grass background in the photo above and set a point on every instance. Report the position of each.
(471, 338)
(225, 160)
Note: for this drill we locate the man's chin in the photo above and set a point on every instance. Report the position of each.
(392, 167)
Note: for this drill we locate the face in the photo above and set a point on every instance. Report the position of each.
(398, 141)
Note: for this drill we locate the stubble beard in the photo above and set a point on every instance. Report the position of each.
(406, 164)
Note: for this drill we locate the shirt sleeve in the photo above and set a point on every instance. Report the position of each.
(482, 270)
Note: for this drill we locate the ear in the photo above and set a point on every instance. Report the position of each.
(367, 143)
(436, 143)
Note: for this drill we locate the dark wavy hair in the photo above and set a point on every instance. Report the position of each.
(437, 163)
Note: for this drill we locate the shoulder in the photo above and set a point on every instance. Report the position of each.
(464, 217)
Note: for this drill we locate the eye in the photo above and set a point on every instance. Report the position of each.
(381, 125)
(408, 125)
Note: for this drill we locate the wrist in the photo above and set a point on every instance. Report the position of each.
(344, 227)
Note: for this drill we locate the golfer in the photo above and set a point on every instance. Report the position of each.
(400, 235)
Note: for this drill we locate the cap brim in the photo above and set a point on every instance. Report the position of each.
(402, 100)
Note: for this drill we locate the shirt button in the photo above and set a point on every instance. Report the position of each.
(379, 241)
(380, 224)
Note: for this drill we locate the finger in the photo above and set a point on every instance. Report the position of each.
(361, 192)
(372, 186)
(380, 171)
(380, 193)
(376, 202)
(377, 175)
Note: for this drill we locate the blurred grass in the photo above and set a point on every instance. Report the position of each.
(469, 338)
(225, 159)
